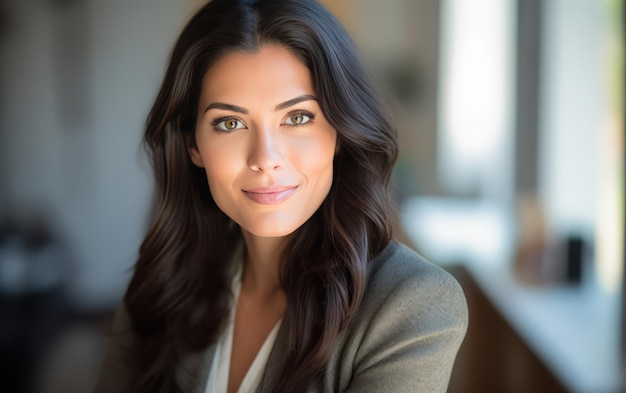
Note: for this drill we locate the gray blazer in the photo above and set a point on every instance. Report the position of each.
(404, 338)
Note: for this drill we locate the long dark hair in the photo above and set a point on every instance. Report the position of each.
(178, 297)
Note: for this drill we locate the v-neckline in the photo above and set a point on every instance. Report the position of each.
(220, 366)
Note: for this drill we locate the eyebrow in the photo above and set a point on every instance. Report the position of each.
(227, 107)
(294, 101)
(244, 111)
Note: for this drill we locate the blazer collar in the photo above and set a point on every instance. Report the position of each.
(275, 362)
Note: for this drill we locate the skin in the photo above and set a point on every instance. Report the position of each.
(268, 153)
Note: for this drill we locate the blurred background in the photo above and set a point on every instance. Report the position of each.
(510, 176)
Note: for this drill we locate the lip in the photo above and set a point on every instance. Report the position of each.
(271, 195)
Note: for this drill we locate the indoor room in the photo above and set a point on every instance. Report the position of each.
(510, 176)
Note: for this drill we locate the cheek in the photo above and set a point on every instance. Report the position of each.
(221, 166)
(315, 160)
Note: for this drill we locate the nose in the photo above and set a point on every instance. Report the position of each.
(264, 152)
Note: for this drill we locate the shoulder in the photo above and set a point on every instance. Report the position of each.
(409, 327)
(400, 276)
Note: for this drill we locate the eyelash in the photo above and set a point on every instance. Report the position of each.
(216, 122)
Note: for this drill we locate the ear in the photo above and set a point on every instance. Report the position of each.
(192, 149)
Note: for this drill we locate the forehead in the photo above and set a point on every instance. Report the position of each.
(271, 73)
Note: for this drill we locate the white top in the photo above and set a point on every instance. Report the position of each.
(218, 376)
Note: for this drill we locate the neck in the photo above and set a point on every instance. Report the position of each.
(261, 273)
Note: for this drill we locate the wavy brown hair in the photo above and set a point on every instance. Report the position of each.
(178, 298)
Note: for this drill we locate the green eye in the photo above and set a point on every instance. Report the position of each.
(297, 119)
(229, 125)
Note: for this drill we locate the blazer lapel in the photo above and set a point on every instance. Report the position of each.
(275, 362)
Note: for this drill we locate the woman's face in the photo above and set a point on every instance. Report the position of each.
(263, 141)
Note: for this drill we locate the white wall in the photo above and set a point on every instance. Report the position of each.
(581, 158)
(87, 172)
(573, 102)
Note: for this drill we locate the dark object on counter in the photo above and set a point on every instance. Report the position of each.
(574, 257)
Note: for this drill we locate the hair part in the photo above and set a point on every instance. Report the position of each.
(178, 298)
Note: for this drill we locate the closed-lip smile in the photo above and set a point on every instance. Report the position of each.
(269, 195)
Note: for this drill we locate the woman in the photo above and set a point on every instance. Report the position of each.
(269, 265)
